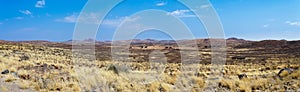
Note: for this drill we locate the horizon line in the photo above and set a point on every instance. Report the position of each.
(152, 39)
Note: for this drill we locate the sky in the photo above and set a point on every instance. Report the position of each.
(55, 20)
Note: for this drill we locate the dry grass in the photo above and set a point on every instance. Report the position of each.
(49, 71)
(10, 78)
(170, 79)
(260, 84)
(228, 83)
(295, 75)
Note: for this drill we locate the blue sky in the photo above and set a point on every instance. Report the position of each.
(54, 20)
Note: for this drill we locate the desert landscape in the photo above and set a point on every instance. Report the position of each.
(149, 46)
(268, 65)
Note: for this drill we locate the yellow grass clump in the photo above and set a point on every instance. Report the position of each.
(10, 78)
(295, 74)
(228, 83)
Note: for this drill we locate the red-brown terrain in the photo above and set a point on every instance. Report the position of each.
(268, 65)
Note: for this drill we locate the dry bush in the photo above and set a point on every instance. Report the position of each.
(295, 74)
(199, 82)
(244, 85)
(170, 79)
(164, 87)
(228, 83)
(260, 84)
(54, 84)
(24, 74)
(153, 87)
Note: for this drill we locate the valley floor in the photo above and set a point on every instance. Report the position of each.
(29, 67)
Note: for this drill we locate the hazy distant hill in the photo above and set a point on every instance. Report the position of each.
(231, 42)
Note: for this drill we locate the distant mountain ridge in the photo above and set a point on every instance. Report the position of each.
(231, 42)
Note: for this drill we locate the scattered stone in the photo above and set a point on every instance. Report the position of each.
(113, 68)
(238, 57)
(168, 47)
(5, 72)
(241, 76)
(24, 76)
(41, 49)
(24, 57)
(284, 72)
(14, 74)
(44, 65)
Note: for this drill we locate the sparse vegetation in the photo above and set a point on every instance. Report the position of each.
(51, 69)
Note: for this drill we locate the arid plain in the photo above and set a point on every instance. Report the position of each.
(269, 65)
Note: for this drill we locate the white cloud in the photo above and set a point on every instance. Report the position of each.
(113, 22)
(161, 4)
(68, 19)
(118, 21)
(266, 25)
(26, 12)
(40, 4)
(87, 18)
(204, 6)
(296, 23)
(93, 18)
(181, 13)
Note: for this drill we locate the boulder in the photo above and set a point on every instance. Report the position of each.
(113, 68)
(5, 72)
(238, 58)
(284, 72)
(242, 76)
